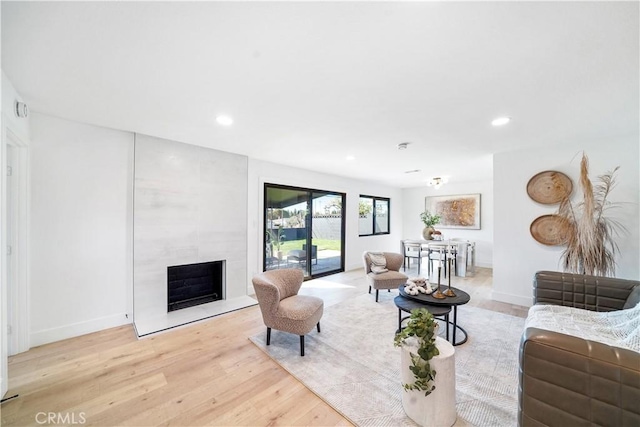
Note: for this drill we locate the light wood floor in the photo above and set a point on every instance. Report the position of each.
(207, 373)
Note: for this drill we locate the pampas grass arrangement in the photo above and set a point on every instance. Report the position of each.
(589, 233)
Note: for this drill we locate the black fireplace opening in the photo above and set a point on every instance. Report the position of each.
(194, 284)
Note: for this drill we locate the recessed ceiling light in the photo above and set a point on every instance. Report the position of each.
(224, 120)
(413, 171)
(403, 145)
(500, 121)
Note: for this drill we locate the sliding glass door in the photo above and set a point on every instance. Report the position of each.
(304, 228)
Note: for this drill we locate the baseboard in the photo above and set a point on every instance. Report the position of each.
(354, 267)
(70, 331)
(512, 299)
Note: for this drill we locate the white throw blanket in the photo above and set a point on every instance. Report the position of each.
(615, 328)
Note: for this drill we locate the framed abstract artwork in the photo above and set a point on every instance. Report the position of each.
(458, 211)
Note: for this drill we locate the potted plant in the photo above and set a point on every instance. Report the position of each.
(276, 238)
(429, 221)
(420, 333)
(421, 354)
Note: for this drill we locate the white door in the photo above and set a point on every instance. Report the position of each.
(10, 262)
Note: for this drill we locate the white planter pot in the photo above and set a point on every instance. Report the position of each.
(438, 408)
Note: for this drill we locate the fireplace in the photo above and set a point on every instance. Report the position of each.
(194, 284)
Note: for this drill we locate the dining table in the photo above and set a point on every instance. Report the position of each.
(463, 252)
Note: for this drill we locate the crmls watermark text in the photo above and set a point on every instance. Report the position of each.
(61, 418)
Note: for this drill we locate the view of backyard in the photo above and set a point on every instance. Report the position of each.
(323, 244)
(297, 217)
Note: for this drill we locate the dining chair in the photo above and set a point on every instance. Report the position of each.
(464, 260)
(413, 251)
(436, 252)
(442, 252)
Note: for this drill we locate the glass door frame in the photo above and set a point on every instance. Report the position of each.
(308, 226)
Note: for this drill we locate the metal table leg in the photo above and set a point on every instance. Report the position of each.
(455, 326)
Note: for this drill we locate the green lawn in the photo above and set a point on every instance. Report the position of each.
(322, 244)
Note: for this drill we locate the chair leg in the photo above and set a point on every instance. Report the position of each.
(388, 290)
(301, 345)
(369, 288)
(377, 290)
(268, 336)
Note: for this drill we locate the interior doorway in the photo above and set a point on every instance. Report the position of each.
(15, 241)
(11, 244)
(303, 228)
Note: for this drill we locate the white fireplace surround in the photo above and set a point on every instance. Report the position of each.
(190, 206)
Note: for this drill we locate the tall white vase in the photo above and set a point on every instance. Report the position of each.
(438, 408)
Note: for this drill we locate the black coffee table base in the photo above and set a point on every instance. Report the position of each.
(439, 308)
(456, 326)
(406, 305)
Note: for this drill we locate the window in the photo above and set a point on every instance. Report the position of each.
(373, 215)
(296, 219)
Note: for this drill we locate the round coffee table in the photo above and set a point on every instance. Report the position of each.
(430, 303)
(406, 305)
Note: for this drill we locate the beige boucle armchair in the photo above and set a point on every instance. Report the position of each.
(390, 279)
(281, 306)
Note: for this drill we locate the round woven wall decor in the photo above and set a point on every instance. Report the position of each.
(549, 187)
(547, 230)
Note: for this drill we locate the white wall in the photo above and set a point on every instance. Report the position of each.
(414, 204)
(517, 256)
(261, 172)
(81, 228)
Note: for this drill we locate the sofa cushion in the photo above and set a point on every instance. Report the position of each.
(615, 328)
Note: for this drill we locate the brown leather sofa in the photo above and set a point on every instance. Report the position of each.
(569, 381)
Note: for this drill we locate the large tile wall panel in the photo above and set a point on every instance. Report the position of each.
(190, 206)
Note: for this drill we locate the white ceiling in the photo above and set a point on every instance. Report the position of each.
(309, 83)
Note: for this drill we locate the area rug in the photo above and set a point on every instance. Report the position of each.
(353, 365)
